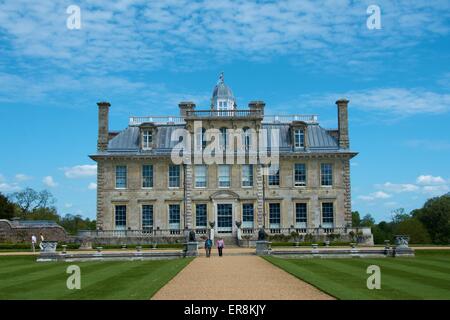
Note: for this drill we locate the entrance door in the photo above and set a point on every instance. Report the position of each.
(224, 217)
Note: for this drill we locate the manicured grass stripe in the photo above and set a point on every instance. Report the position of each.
(426, 276)
(406, 277)
(44, 275)
(99, 280)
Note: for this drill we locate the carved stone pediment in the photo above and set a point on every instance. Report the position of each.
(224, 194)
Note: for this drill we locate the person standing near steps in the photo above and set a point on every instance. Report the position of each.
(220, 245)
(208, 245)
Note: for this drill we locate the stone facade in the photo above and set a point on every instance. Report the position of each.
(320, 146)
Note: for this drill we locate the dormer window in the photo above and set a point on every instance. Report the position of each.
(299, 138)
(147, 139)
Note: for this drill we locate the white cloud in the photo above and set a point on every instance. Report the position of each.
(22, 177)
(374, 196)
(68, 205)
(92, 186)
(7, 187)
(80, 171)
(49, 182)
(436, 190)
(399, 102)
(430, 180)
(397, 187)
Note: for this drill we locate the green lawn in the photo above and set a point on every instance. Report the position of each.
(21, 277)
(426, 276)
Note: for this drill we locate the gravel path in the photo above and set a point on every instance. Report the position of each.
(236, 278)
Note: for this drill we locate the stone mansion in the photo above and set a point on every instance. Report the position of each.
(141, 189)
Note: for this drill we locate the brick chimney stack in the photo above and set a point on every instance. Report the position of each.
(342, 106)
(185, 107)
(103, 125)
(257, 107)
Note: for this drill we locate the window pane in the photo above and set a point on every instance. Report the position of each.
(147, 176)
(174, 216)
(274, 215)
(223, 138)
(174, 176)
(247, 215)
(247, 175)
(224, 175)
(274, 176)
(147, 139)
(147, 217)
(326, 174)
(300, 174)
(200, 215)
(121, 217)
(121, 176)
(299, 138)
(301, 213)
(327, 214)
(200, 176)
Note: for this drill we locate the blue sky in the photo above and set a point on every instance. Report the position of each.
(297, 56)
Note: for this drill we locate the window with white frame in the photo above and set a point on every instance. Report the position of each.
(326, 174)
(327, 215)
(299, 174)
(247, 175)
(200, 215)
(247, 138)
(147, 218)
(121, 177)
(301, 215)
(224, 175)
(200, 176)
(223, 138)
(274, 215)
(247, 215)
(120, 216)
(147, 139)
(147, 176)
(174, 216)
(174, 176)
(274, 175)
(299, 138)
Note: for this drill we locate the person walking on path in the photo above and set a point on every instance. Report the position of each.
(220, 246)
(33, 243)
(208, 245)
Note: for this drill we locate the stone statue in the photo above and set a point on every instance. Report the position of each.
(261, 235)
(192, 236)
(402, 241)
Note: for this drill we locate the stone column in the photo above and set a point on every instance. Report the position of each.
(103, 125)
(342, 105)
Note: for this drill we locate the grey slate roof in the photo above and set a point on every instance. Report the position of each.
(127, 141)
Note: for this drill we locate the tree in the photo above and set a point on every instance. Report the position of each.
(29, 199)
(399, 215)
(414, 229)
(356, 220)
(435, 215)
(7, 208)
(367, 221)
(74, 223)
